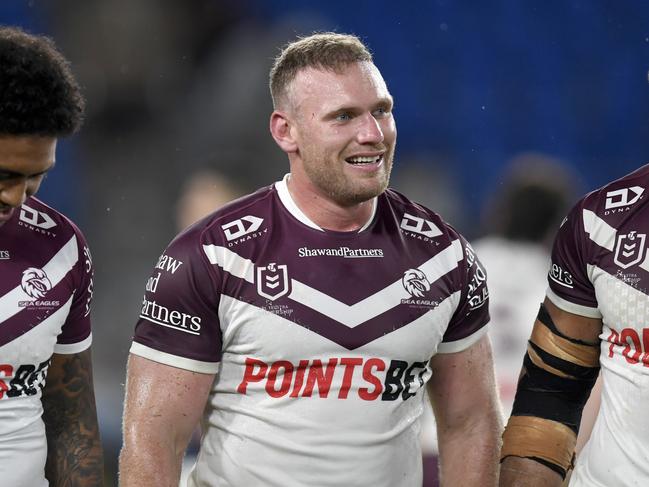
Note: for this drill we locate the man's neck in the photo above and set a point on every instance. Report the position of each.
(326, 213)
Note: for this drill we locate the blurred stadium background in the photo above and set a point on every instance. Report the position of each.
(175, 87)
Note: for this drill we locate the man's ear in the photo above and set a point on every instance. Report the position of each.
(280, 129)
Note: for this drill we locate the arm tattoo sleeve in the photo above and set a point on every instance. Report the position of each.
(75, 456)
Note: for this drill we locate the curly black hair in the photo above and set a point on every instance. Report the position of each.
(38, 93)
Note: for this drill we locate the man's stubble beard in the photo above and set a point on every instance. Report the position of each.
(347, 192)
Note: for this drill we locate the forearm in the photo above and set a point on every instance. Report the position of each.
(159, 421)
(75, 456)
(150, 463)
(468, 454)
(523, 472)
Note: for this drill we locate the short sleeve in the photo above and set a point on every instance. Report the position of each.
(468, 323)
(569, 285)
(178, 323)
(75, 334)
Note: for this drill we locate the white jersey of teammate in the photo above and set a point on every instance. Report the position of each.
(600, 269)
(45, 294)
(320, 340)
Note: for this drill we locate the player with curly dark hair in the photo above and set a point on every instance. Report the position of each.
(48, 421)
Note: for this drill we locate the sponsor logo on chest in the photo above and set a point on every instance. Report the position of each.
(24, 380)
(369, 379)
(344, 252)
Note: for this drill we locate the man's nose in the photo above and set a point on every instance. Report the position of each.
(370, 131)
(14, 194)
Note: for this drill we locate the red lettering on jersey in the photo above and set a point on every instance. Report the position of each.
(349, 364)
(249, 374)
(364, 393)
(323, 379)
(645, 343)
(286, 381)
(634, 351)
(635, 339)
(614, 339)
(7, 370)
(299, 377)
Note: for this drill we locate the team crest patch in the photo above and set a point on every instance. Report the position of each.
(630, 249)
(35, 282)
(36, 285)
(417, 285)
(272, 281)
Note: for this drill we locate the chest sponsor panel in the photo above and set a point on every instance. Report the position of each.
(296, 293)
(336, 378)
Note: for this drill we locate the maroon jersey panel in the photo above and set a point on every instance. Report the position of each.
(348, 287)
(180, 305)
(44, 262)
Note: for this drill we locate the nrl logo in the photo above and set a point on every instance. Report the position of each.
(272, 281)
(630, 249)
(35, 282)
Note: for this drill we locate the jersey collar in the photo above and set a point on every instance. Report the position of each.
(289, 204)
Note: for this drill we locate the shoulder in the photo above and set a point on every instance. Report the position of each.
(416, 220)
(41, 221)
(619, 195)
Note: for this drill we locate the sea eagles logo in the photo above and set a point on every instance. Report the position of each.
(630, 249)
(416, 283)
(35, 282)
(272, 281)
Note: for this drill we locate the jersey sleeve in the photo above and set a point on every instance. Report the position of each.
(178, 323)
(76, 334)
(468, 323)
(569, 285)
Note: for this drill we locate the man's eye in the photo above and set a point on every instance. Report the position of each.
(381, 112)
(342, 117)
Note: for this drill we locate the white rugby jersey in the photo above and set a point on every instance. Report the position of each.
(600, 269)
(45, 294)
(320, 340)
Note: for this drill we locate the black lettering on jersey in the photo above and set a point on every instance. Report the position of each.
(28, 380)
(393, 384)
(410, 376)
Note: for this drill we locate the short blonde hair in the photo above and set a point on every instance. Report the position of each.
(323, 50)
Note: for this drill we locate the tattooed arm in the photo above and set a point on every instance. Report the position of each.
(74, 452)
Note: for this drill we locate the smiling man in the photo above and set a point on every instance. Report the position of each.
(48, 421)
(304, 322)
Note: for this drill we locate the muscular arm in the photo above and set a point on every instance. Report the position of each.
(524, 472)
(162, 407)
(74, 452)
(469, 424)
